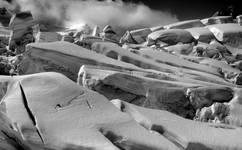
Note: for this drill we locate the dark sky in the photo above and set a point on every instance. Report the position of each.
(191, 9)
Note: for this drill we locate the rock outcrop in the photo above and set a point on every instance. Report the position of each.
(5, 17)
(136, 36)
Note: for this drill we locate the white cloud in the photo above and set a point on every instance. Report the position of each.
(92, 12)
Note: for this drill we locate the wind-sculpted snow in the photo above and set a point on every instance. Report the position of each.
(185, 24)
(170, 87)
(230, 34)
(170, 36)
(201, 34)
(45, 103)
(161, 61)
(63, 57)
(184, 133)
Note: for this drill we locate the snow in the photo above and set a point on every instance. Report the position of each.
(219, 64)
(48, 37)
(185, 24)
(186, 133)
(201, 34)
(77, 51)
(147, 63)
(52, 98)
(171, 36)
(176, 61)
(229, 33)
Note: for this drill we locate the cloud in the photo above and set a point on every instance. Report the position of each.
(93, 12)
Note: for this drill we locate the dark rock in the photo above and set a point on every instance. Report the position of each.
(5, 68)
(238, 79)
(5, 17)
(206, 96)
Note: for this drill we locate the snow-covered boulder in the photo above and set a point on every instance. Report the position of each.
(141, 88)
(153, 90)
(174, 60)
(170, 36)
(201, 34)
(185, 24)
(136, 36)
(151, 62)
(86, 41)
(230, 34)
